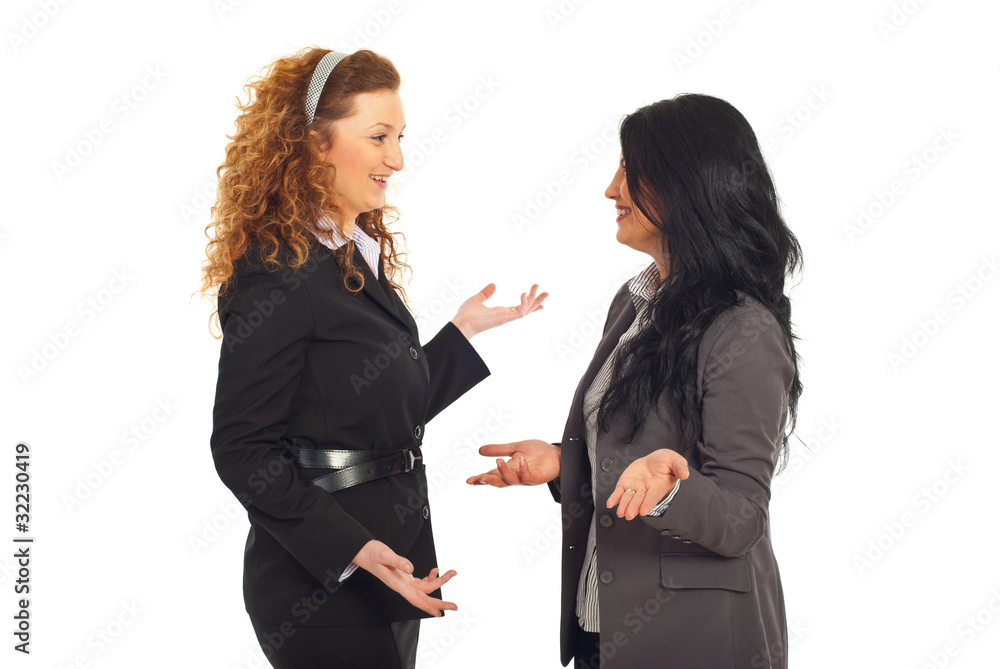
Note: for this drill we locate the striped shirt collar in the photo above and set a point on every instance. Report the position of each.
(369, 248)
(644, 285)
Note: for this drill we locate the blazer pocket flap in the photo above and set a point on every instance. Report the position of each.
(705, 571)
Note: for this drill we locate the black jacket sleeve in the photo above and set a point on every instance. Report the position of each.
(455, 367)
(267, 321)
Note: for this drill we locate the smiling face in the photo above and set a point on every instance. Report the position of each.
(634, 229)
(365, 151)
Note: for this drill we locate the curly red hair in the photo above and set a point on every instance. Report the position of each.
(274, 185)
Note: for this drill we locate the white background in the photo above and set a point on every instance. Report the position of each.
(844, 102)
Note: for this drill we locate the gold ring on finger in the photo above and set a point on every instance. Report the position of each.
(631, 491)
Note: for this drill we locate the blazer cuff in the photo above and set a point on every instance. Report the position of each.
(662, 506)
(347, 572)
(555, 485)
(455, 367)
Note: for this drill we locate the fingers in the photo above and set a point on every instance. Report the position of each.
(532, 302)
(628, 498)
(678, 465)
(441, 606)
(653, 496)
(505, 450)
(415, 590)
(632, 509)
(432, 582)
(522, 470)
(509, 476)
(400, 563)
(623, 502)
(616, 494)
(429, 584)
(487, 292)
(491, 477)
(431, 605)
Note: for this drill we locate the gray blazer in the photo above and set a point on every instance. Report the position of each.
(698, 586)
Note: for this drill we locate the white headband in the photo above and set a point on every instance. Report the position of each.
(318, 81)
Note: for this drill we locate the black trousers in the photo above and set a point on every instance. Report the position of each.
(588, 650)
(391, 646)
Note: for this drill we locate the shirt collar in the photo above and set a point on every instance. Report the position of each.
(643, 285)
(369, 248)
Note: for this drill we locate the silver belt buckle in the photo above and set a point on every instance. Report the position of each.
(412, 461)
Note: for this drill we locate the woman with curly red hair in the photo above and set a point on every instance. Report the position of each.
(324, 388)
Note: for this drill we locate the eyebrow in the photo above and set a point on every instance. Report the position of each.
(384, 125)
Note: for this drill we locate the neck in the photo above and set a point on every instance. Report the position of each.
(347, 229)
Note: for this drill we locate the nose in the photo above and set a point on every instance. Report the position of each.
(613, 190)
(394, 157)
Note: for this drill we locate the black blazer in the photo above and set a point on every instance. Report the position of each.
(305, 359)
(698, 587)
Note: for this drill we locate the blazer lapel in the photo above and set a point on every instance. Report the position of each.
(619, 324)
(378, 288)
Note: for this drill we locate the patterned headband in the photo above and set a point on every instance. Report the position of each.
(318, 81)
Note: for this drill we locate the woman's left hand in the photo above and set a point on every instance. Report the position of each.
(647, 481)
(473, 316)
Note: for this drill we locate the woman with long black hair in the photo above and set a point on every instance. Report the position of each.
(682, 417)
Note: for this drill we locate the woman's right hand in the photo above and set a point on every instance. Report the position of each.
(397, 573)
(531, 462)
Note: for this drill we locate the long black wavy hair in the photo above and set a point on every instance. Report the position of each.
(694, 169)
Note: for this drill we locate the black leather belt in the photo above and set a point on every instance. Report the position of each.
(354, 467)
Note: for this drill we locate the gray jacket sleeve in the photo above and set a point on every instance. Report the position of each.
(745, 373)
